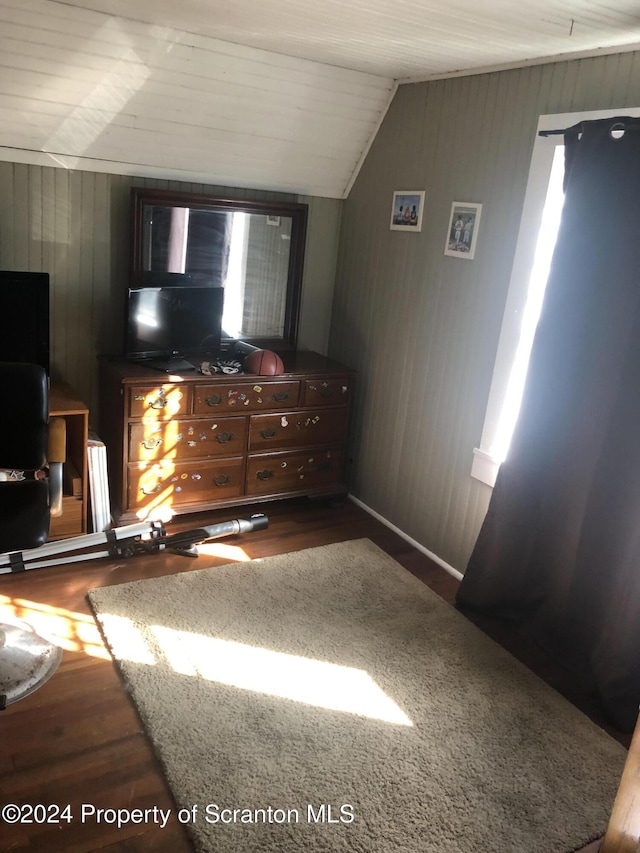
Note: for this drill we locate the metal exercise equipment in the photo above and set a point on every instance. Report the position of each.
(144, 537)
(27, 660)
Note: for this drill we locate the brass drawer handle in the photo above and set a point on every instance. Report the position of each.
(267, 433)
(279, 396)
(158, 403)
(222, 479)
(151, 443)
(264, 475)
(151, 490)
(213, 400)
(224, 437)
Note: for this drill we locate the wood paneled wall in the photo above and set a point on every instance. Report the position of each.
(75, 225)
(420, 327)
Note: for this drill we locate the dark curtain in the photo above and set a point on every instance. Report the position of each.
(559, 550)
(208, 246)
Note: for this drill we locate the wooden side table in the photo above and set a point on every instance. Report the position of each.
(63, 402)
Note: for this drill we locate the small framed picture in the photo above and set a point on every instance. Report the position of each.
(406, 210)
(463, 230)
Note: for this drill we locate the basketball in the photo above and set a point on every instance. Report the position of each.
(263, 362)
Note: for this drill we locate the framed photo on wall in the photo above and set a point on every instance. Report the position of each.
(406, 210)
(462, 234)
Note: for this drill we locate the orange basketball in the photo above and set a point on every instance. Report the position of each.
(263, 362)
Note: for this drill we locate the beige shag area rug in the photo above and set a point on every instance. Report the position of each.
(326, 700)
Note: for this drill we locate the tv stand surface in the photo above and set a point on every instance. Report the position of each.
(197, 442)
(170, 365)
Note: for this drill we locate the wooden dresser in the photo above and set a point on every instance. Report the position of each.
(193, 442)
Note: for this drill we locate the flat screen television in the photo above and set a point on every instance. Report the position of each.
(165, 324)
(24, 309)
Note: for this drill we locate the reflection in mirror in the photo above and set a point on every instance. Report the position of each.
(252, 249)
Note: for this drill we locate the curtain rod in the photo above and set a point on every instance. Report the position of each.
(618, 125)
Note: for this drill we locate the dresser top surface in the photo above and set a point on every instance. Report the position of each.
(296, 364)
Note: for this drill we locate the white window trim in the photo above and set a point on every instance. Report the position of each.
(485, 464)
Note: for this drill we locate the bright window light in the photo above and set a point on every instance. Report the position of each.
(547, 237)
(537, 235)
(234, 282)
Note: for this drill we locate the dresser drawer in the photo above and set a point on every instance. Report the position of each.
(166, 483)
(161, 402)
(326, 392)
(272, 473)
(246, 397)
(298, 429)
(187, 439)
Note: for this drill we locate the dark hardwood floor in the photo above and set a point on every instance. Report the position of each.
(78, 739)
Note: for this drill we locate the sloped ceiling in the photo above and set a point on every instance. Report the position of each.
(277, 94)
(397, 38)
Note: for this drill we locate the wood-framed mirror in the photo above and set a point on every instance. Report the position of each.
(254, 249)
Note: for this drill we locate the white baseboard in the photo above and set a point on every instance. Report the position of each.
(454, 572)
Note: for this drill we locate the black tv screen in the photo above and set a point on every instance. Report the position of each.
(24, 309)
(167, 323)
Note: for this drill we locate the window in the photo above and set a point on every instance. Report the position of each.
(534, 249)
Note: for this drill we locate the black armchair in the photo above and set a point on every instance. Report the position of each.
(29, 444)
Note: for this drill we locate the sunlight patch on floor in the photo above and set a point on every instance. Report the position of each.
(312, 682)
(72, 631)
(126, 640)
(233, 553)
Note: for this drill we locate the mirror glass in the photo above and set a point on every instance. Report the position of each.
(254, 250)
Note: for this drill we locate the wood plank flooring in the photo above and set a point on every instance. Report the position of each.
(79, 740)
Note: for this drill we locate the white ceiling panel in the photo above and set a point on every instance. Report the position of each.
(276, 94)
(397, 38)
